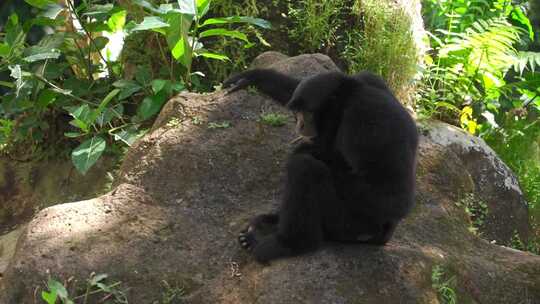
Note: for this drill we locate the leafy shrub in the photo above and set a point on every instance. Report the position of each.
(480, 76)
(383, 44)
(68, 84)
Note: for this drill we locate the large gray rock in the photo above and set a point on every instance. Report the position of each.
(187, 189)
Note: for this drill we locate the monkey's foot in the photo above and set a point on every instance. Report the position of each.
(247, 239)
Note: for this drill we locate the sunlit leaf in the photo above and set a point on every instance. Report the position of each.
(128, 135)
(52, 11)
(238, 19)
(188, 7)
(149, 23)
(52, 54)
(224, 32)
(117, 21)
(214, 56)
(86, 154)
(202, 8)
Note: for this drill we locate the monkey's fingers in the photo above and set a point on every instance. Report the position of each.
(242, 83)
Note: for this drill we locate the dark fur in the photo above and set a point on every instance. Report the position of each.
(354, 181)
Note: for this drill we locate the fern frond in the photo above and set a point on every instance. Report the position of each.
(488, 43)
(524, 60)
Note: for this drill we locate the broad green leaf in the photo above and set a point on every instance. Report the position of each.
(143, 75)
(128, 136)
(52, 41)
(73, 134)
(224, 32)
(110, 113)
(149, 23)
(519, 16)
(4, 50)
(46, 97)
(152, 105)
(159, 84)
(99, 9)
(177, 37)
(182, 52)
(214, 56)
(100, 42)
(57, 287)
(53, 54)
(87, 153)
(39, 3)
(117, 21)
(82, 116)
(202, 8)
(147, 5)
(52, 11)
(128, 88)
(178, 87)
(49, 297)
(14, 33)
(238, 19)
(107, 99)
(188, 7)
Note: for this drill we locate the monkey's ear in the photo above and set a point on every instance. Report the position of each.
(313, 91)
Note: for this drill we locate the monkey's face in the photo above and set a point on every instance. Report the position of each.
(305, 125)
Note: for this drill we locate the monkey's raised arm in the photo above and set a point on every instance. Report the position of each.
(278, 86)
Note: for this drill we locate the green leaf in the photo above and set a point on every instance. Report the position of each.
(86, 154)
(101, 42)
(202, 8)
(519, 16)
(128, 136)
(238, 19)
(149, 23)
(110, 113)
(224, 32)
(147, 5)
(57, 288)
(39, 3)
(82, 116)
(73, 134)
(46, 97)
(52, 54)
(52, 11)
(97, 278)
(177, 38)
(49, 297)
(128, 88)
(99, 9)
(159, 84)
(4, 50)
(214, 56)
(117, 21)
(106, 100)
(188, 7)
(14, 33)
(152, 105)
(143, 75)
(178, 87)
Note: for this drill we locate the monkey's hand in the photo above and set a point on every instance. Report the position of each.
(239, 81)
